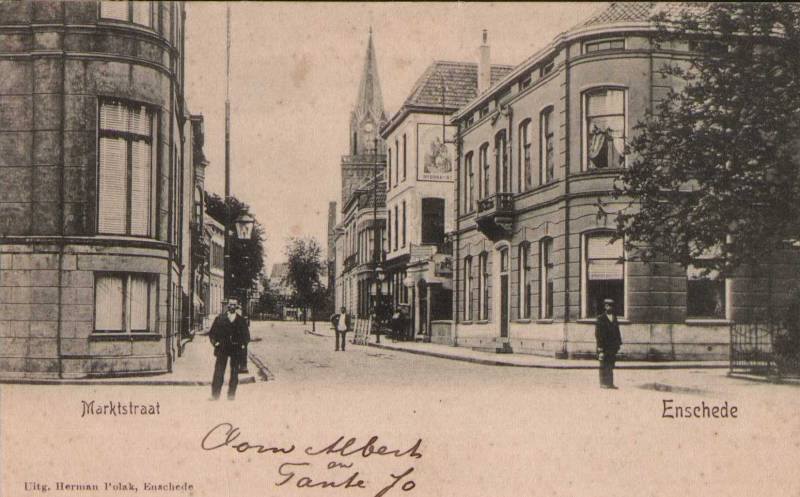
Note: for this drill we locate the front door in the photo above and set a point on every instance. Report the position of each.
(504, 292)
(423, 308)
(504, 305)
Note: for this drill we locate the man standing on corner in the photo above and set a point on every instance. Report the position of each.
(229, 334)
(341, 323)
(609, 340)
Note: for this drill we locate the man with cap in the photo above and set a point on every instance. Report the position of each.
(229, 334)
(341, 324)
(609, 340)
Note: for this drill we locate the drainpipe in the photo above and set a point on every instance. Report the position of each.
(567, 149)
(61, 200)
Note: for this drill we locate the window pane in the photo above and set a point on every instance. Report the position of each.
(108, 303)
(140, 302)
(606, 102)
(140, 121)
(141, 167)
(142, 13)
(705, 298)
(111, 211)
(599, 247)
(113, 116)
(114, 10)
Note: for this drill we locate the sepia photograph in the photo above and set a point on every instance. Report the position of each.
(376, 249)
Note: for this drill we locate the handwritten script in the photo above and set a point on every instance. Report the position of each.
(301, 467)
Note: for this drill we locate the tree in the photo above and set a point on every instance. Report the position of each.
(246, 256)
(304, 276)
(270, 301)
(715, 169)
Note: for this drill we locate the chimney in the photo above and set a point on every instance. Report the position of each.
(484, 66)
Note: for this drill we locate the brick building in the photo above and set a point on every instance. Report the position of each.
(537, 157)
(95, 208)
(360, 168)
(420, 155)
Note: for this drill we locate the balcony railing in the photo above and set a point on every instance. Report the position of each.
(495, 215)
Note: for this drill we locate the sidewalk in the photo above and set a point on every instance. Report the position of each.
(531, 361)
(193, 368)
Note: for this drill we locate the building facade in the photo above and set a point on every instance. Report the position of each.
(420, 154)
(363, 195)
(537, 158)
(214, 268)
(93, 142)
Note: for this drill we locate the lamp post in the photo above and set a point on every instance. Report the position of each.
(377, 272)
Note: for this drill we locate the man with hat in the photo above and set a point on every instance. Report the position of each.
(609, 340)
(229, 334)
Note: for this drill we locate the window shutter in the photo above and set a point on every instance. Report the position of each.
(142, 13)
(114, 10)
(141, 175)
(140, 299)
(108, 303)
(113, 177)
(113, 116)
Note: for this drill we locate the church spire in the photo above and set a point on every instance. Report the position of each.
(369, 101)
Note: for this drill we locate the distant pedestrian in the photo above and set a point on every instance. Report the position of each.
(609, 340)
(229, 334)
(341, 323)
(399, 324)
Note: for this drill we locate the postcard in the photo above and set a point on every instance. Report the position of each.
(398, 249)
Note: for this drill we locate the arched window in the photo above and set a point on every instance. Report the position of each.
(546, 286)
(604, 273)
(604, 128)
(483, 286)
(547, 147)
(468, 285)
(469, 189)
(524, 293)
(503, 178)
(483, 166)
(526, 182)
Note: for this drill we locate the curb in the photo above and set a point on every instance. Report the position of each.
(491, 362)
(263, 370)
(128, 382)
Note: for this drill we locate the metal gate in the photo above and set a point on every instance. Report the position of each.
(751, 348)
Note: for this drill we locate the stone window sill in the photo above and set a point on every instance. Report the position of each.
(594, 321)
(707, 322)
(482, 321)
(544, 321)
(120, 337)
(522, 320)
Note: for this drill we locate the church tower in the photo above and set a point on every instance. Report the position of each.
(366, 119)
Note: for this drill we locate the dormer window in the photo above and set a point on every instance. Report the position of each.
(547, 68)
(602, 45)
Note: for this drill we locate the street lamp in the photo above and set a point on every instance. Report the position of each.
(244, 226)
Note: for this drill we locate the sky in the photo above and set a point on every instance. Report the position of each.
(295, 70)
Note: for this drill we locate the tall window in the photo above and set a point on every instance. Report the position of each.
(604, 128)
(469, 189)
(605, 274)
(389, 167)
(404, 157)
(524, 292)
(546, 279)
(125, 303)
(396, 232)
(468, 288)
(547, 155)
(404, 223)
(396, 162)
(501, 162)
(483, 287)
(525, 154)
(126, 171)
(137, 12)
(389, 231)
(483, 165)
(705, 291)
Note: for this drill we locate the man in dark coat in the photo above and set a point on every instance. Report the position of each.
(229, 334)
(609, 340)
(341, 323)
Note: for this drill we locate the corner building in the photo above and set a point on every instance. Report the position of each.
(537, 157)
(93, 211)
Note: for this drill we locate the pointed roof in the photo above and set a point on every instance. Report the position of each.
(369, 101)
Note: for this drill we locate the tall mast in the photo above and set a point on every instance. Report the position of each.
(228, 103)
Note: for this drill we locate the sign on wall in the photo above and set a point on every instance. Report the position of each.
(435, 157)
